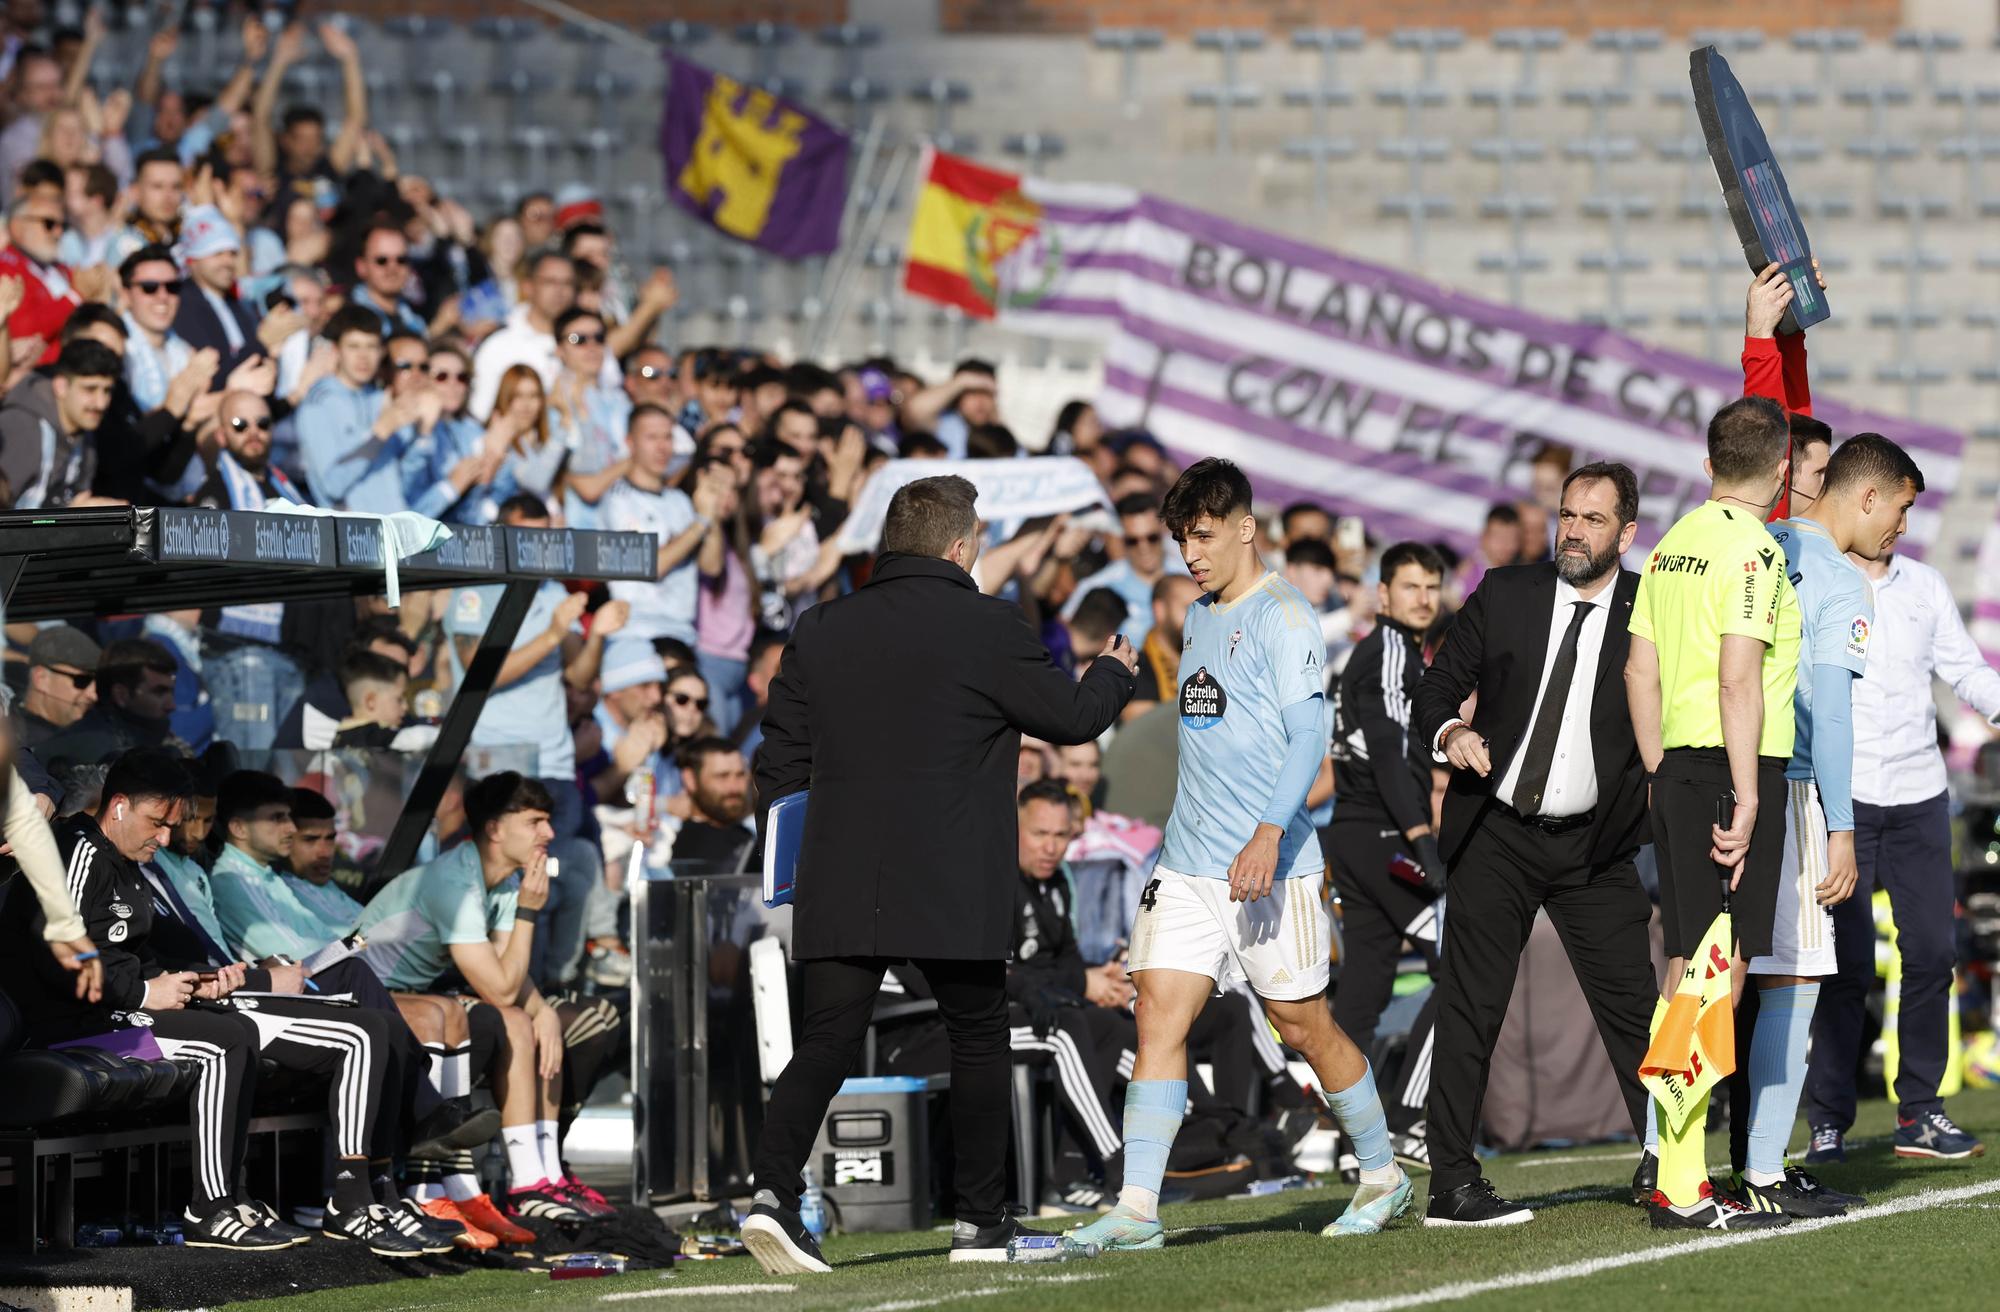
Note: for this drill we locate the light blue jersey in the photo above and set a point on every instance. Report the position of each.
(412, 925)
(1836, 613)
(1242, 664)
(260, 913)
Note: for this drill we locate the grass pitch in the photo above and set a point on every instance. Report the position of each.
(1930, 1239)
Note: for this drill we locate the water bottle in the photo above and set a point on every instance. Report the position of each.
(639, 794)
(812, 1207)
(585, 1266)
(99, 1236)
(1047, 1248)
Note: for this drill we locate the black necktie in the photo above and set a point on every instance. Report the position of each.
(1541, 749)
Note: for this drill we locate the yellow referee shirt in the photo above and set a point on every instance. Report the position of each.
(1718, 571)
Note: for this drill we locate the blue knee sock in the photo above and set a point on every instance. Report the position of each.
(1153, 1111)
(1777, 1075)
(1358, 1108)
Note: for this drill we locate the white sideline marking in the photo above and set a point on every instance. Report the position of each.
(1917, 1202)
(915, 1304)
(688, 1291)
(1566, 1158)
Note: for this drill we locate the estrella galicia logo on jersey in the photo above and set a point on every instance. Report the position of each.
(121, 910)
(1202, 700)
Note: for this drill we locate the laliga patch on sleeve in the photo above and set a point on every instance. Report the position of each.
(1857, 636)
(470, 605)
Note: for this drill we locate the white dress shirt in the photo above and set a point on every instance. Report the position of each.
(1572, 786)
(1918, 635)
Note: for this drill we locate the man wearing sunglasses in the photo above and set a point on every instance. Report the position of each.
(382, 276)
(241, 475)
(1146, 561)
(154, 352)
(62, 684)
(34, 230)
(590, 417)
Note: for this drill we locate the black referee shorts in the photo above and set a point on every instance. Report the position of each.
(1686, 788)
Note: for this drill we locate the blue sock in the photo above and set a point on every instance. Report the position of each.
(1652, 1126)
(1777, 1075)
(1358, 1108)
(1153, 1111)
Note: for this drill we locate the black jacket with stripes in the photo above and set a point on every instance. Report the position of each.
(1381, 767)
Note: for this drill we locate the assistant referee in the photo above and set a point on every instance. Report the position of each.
(1709, 678)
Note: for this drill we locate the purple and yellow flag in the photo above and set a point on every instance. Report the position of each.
(761, 169)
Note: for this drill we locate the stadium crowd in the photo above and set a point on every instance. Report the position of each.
(237, 301)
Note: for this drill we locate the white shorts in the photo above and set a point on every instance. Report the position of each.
(1802, 931)
(1280, 945)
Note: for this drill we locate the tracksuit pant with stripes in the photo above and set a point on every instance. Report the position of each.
(1377, 913)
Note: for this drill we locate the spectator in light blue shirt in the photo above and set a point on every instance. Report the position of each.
(454, 472)
(1145, 562)
(952, 409)
(351, 435)
(382, 272)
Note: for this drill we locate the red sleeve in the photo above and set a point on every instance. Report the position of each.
(1798, 392)
(40, 315)
(1763, 370)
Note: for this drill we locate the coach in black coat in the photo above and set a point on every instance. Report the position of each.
(1544, 811)
(902, 708)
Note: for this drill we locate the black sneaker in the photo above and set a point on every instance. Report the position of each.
(1807, 1183)
(451, 1127)
(1828, 1144)
(1475, 1204)
(1786, 1197)
(223, 1228)
(1412, 1148)
(374, 1228)
(779, 1240)
(985, 1243)
(1084, 1198)
(436, 1227)
(414, 1228)
(1646, 1180)
(1714, 1212)
(256, 1213)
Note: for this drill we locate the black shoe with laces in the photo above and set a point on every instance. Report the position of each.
(224, 1228)
(1807, 1183)
(374, 1228)
(415, 1229)
(1472, 1204)
(436, 1227)
(256, 1213)
(985, 1243)
(1713, 1212)
(1646, 1180)
(779, 1240)
(1786, 1197)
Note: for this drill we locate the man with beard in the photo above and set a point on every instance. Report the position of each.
(242, 476)
(718, 789)
(1545, 809)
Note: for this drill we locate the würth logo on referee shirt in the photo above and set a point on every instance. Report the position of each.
(1679, 563)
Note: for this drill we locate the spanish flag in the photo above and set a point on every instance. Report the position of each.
(968, 220)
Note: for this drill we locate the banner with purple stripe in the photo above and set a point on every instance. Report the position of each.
(1372, 391)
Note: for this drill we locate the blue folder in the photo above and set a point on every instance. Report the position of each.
(784, 834)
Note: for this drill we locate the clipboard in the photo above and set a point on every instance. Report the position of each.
(784, 834)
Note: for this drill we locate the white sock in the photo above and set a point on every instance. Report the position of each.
(1145, 1202)
(524, 1156)
(437, 1076)
(461, 1187)
(1381, 1174)
(550, 1140)
(1765, 1179)
(457, 1072)
(426, 1191)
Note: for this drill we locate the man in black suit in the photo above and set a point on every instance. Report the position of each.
(901, 706)
(1545, 809)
